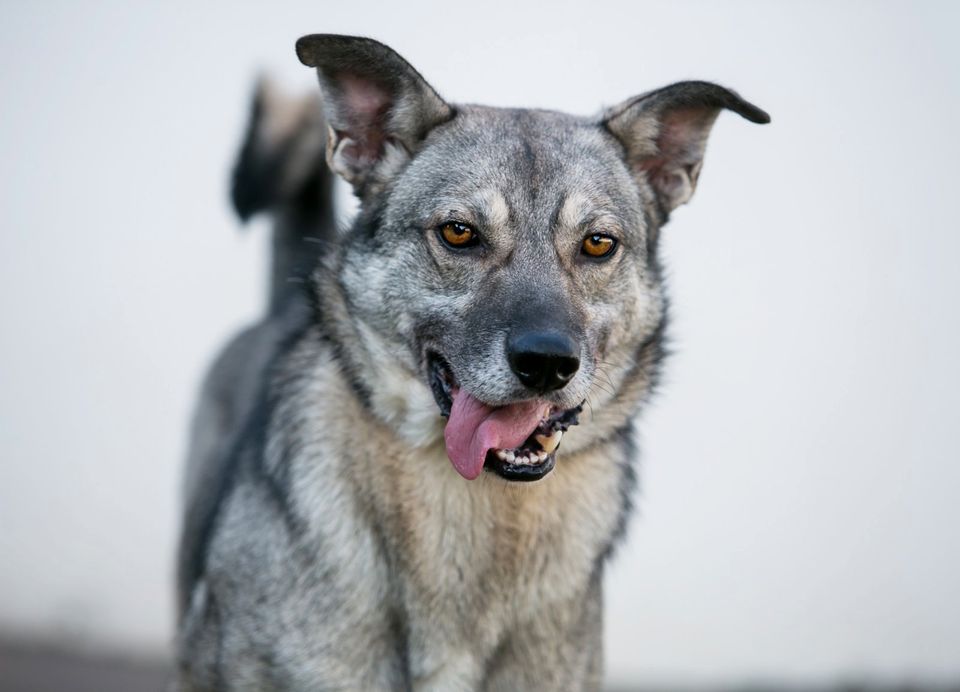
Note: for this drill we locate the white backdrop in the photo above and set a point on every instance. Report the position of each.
(798, 515)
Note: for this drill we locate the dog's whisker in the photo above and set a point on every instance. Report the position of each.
(602, 387)
(606, 376)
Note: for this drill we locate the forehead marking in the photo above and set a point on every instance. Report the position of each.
(494, 206)
(574, 209)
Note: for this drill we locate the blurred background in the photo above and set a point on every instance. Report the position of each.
(798, 524)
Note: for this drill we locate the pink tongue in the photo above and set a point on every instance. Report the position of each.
(475, 428)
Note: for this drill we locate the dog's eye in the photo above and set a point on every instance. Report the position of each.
(598, 245)
(457, 235)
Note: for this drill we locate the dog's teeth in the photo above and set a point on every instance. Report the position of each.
(523, 460)
(501, 453)
(549, 442)
(509, 456)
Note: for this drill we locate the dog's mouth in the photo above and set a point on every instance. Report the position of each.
(517, 442)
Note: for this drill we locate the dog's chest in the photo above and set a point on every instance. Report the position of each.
(467, 560)
(476, 558)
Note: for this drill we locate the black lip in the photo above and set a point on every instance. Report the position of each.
(560, 420)
(441, 381)
(523, 473)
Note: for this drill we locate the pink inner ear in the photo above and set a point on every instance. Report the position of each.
(682, 135)
(362, 97)
(366, 104)
(680, 141)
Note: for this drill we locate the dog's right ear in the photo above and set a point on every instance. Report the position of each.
(377, 107)
(664, 134)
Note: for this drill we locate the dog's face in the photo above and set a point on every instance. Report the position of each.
(503, 270)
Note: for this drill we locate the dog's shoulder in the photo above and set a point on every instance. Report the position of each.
(228, 421)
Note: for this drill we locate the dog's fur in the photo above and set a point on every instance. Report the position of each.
(328, 542)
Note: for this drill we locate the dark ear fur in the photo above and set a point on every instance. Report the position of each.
(664, 134)
(377, 106)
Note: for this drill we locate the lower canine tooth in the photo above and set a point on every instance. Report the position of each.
(502, 454)
(549, 442)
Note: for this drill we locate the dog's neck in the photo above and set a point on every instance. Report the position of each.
(410, 493)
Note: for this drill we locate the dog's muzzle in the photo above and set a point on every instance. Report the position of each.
(518, 441)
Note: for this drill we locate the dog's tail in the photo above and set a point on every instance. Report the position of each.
(281, 170)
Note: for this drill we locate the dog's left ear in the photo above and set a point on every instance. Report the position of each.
(664, 134)
(377, 106)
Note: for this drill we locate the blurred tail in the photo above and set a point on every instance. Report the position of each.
(281, 170)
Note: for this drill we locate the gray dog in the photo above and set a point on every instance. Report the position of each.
(410, 474)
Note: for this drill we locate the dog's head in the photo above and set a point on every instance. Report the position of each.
(502, 271)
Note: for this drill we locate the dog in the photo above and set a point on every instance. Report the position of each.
(410, 474)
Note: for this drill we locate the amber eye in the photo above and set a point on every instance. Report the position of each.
(598, 245)
(457, 235)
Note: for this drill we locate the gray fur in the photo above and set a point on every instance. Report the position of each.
(341, 551)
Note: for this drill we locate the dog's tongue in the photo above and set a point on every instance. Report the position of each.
(475, 428)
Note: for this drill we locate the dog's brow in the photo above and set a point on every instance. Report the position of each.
(487, 206)
(573, 209)
(494, 206)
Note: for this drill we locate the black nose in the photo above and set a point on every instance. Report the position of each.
(543, 361)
